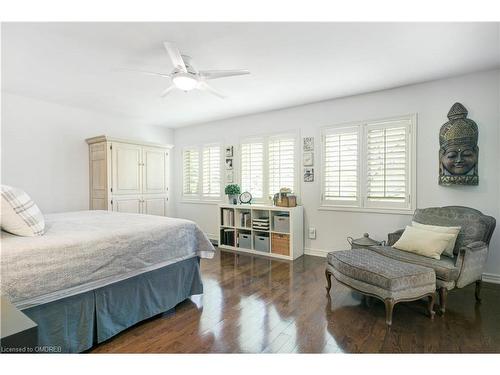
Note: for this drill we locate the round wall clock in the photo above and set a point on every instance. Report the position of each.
(245, 197)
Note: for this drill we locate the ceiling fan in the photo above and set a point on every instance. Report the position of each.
(186, 78)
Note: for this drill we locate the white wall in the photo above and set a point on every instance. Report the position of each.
(431, 101)
(44, 150)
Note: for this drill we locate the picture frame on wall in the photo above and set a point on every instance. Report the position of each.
(308, 174)
(308, 144)
(229, 176)
(308, 159)
(229, 164)
(229, 151)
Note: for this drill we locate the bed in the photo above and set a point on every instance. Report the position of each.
(95, 273)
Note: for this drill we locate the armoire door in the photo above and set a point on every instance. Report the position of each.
(154, 171)
(126, 165)
(130, 205)
(154, 206)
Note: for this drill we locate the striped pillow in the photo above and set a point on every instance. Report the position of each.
(20, 215)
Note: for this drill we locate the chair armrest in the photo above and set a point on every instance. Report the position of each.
(394, 236)
(471, 260)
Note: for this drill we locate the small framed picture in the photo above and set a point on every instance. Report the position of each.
(229, 151)
(308, 174)
(308, 159)
(308, 144)
(229, 176)
(229, 163)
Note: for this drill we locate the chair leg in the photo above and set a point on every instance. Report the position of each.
(432, 299)
(443, 292)
(478, 290)
(389, 307)
(328, 275)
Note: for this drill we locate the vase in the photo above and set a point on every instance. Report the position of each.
(233, 198)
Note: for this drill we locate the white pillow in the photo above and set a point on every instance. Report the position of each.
(435, 228)
(20, 215)
(423, 242)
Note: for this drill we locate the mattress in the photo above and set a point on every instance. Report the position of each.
(84, 250)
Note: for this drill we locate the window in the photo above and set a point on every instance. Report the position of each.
(211, 171)
(341, 165)
(190, 169)
(252, 168)
(281, 164)
(370, 165)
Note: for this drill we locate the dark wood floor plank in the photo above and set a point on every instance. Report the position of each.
(254, 304)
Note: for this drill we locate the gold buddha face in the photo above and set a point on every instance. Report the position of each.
(459, 160)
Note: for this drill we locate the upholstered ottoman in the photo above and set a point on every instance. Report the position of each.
(388, 279)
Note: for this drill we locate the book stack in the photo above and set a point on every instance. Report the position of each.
(261, 224)
(227, 217)
(228, 237)
(245, 220)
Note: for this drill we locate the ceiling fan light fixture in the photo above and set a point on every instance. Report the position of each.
(185, 82)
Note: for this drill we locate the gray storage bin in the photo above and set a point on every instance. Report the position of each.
(245, 240)
(261, 243)
(282, 223)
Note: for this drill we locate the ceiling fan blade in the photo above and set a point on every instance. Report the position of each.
(146, 72)
(214, 74)
(167, 91)
(205, 86)
(175, 56)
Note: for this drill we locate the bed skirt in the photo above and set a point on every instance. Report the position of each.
(74, 324)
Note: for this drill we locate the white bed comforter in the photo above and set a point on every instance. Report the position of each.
(85, 250)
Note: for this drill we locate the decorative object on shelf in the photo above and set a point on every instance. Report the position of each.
(229, 164)
(308, 144)
(284, 198)
(458, 151)
(232, 191)
(245, 197)
(229, 151)
(308, 159)
(308, 174)
(363, 242)
(229, 176)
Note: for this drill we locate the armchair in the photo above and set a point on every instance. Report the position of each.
(471, 248)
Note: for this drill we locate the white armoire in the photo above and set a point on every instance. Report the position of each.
(128, 176)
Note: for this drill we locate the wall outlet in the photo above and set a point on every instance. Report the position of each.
(312, 233)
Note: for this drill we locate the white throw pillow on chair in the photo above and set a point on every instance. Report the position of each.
(424, 242)
(452, 230)
(20, 215)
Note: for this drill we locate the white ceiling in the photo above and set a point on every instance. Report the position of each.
(290, 63)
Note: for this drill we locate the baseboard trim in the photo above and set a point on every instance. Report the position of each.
(491, 278)
(487, 277)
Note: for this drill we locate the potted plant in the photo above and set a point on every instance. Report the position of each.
(232, 191)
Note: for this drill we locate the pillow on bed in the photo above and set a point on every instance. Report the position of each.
(424, 242)
(435, 228)
(20, 215)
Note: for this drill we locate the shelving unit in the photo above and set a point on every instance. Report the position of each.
(281, 236)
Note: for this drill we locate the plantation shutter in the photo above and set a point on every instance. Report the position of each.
(387, 166)
(341, 177)
(211, 171)
(281, 164)
(190, 169)
(252, 168)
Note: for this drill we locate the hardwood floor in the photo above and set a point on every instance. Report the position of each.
(253, 305)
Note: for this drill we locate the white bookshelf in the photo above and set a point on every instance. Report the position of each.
(294, 235)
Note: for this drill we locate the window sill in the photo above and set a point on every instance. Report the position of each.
(200, 201)
(394, 211)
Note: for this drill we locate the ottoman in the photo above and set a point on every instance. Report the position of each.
(378, 276)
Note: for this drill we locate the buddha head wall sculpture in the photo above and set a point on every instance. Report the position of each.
(458, 151)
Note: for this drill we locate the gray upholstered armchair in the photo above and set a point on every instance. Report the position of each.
(471, 248)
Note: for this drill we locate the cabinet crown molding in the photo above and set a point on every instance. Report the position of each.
(105, 138)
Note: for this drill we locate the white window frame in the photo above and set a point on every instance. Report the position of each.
(363, 204)
(199, 197)
(267, 196)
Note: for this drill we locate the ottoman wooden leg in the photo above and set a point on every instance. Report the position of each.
(478, 290)
(328, 275)
(389, 306)
(432, 299)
